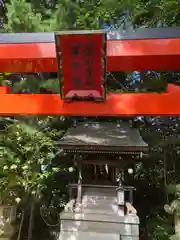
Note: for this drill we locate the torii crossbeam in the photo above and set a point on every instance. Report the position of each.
(143, 49)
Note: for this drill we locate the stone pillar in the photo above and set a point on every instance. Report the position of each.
(79, 187)
(120, 200)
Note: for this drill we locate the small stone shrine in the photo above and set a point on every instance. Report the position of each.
(101, 205)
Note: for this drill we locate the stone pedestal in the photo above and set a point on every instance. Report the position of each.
(98, 218)
(7, 216)
(79, 226)
(177, 225)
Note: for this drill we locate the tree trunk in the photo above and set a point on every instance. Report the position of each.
(21, 225)
(31, 221)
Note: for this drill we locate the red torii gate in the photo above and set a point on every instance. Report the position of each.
(144, 49)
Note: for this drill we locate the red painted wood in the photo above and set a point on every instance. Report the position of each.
(172, 88)
(154, 54)
(82, 65)
(116, 105)
(4, 89)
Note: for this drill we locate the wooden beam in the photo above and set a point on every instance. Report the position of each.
(122, 55)
(127, 104)
(4, 90)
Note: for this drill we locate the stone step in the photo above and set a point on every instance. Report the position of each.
(110, 205)
(100, 211)
(99, 217)
(98, 198)
(104, 207)
(94, 236)
(100, 227)
(107, 191)
(98, 201)
(102, 223)
(96, 192)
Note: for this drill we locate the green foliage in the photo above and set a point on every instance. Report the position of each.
(34, 84)
(27, 144)
(3, 77)
(33, 16)
(160, 227)
(22, 17)
(23, 150)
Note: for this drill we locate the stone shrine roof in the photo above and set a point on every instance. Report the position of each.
(103, 137)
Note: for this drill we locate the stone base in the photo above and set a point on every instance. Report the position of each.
(93, 236)
(100, 223)
(98, 218)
